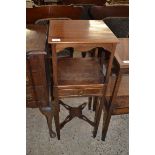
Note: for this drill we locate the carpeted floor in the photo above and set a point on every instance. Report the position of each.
(76, 136)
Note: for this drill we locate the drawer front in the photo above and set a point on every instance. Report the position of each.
(80, 92)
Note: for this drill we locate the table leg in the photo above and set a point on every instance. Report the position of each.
(49, 117)
(98, 116)
(108, 111)
(56, 118)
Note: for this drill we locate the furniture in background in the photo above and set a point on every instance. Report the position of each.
(117, 96)
(117, 2)
(82, 2)
(53, 11)
(37, 82)
(76, 77)
(69, 2)
(118, 25)
(101, 12)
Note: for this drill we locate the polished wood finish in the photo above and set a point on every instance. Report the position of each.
(35, 65)
(101, 12)
(37, 94)
(117, 96)
(79, 76)
(90, 73)
(53, 11)
(88, 33)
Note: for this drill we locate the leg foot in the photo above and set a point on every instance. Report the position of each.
(49, 117)
(106, 121)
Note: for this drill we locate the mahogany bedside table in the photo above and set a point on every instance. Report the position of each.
(76, 77)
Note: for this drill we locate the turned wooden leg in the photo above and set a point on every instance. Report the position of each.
(56, 118)
(106, 121)
(89, 103)
(97, 117)
(49, 117)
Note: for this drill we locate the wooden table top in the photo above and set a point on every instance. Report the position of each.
(80, 31)
(122, 53)
(36, 36)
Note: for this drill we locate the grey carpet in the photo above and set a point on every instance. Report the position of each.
(76, 136)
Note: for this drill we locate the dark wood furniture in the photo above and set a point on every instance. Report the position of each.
(69, 2)
(53, 11)
(37, 86)
(38, 2)
(117, 96)
(111, 2)
(118, 25)
(74, 77)
(81, 2)
(101, 12)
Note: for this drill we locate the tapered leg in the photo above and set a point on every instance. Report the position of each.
(56, 118)
(98, 117)
(106, 121)
(108, 112)
(89, 103)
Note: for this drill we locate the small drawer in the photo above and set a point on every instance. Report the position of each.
(80, 92)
